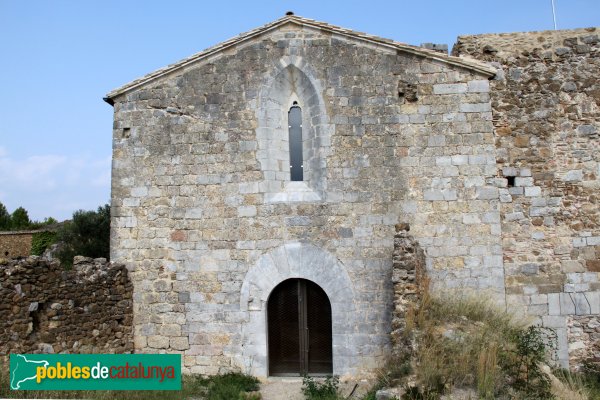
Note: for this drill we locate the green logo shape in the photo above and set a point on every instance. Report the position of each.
(95, 371)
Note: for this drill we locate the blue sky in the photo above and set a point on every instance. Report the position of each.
(59, 58)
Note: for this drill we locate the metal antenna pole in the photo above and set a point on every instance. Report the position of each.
(554, 14)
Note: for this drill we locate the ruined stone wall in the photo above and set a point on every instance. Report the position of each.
(15, 244)
(206, 219)
(47, 309)
(546, 113)
(408, 277)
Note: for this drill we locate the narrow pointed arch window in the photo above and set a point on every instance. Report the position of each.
(295, 131)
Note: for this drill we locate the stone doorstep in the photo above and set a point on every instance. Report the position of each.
(290, 388)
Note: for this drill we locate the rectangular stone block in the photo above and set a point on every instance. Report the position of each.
(450, 88)
(582, 307)
(554, 304)
(475, 107)
(460, 159)
(436, 141)
(519, 181)
(443, 161)
(593, 298)
(593, 241)
(486, 193)
(478, 86)
(567, 306)
(533, 191)
(246, 211)
(554, 321)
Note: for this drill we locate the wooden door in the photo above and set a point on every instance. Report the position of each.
(299, 328)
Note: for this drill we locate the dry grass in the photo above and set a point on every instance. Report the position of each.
(461, 342)
(468, 342)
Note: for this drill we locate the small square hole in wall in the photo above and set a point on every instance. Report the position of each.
(510, 181)
(126, 133)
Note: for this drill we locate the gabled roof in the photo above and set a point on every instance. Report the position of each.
(470, 64)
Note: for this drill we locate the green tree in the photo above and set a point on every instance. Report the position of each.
(20, 219)
(47, 221)
(4, 218)
(87, 234)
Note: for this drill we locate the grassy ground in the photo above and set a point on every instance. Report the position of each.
(221, 387)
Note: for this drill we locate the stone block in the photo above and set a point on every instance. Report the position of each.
(519, 181)
(460, 159)
(593, 241)
(567, 306)
(525, 172)
(170, 330)
(571, 266)
(246, 211)
(530, 269)
(436, 141)
(516, 191)
(509, 171)
(478, 159)
(533, 191)
(505, 196)
(450, 88)
(539, 299)
(593, 299)
(582, 307)
(158, 342)
(140, 191)
(478, 86)
(486, 193)
(538, 309)
(554, 304)
(475, 107)
(586, 129)
(554, 321)
(179, 343)
(573, 176)
(443, 161)
(471, 219)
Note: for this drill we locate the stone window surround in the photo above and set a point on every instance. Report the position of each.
(292, 80)
(297, 260)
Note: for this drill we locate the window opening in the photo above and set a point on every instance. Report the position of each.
(295, 132)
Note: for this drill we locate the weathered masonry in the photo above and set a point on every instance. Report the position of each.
(256, 186)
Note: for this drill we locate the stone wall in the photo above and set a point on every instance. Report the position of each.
(206, 219)
(546, 114)
(47, 309)
(408, 276)
(15, 244)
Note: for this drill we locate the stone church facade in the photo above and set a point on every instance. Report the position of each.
(493, 163)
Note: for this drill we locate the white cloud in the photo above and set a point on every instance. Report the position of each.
(54, 185)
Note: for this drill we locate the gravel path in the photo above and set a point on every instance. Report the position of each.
(282, 389)
(291, 388)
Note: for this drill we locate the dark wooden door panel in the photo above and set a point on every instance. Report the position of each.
(319, 330)
(284, 339)
(299, 328)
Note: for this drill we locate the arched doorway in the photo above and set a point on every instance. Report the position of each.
(299, 328)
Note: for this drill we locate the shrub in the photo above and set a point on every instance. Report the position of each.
(87, 234)
(231, 386)
(40, 242)
(523, 362)
(326, 390)
(469, 342)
